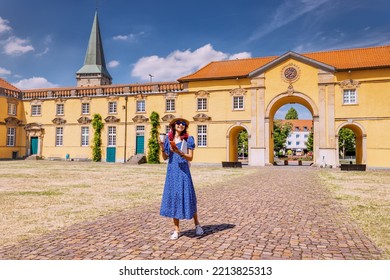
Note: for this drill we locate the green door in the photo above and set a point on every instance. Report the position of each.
(111, 154)
(34, 145)
(140, 142)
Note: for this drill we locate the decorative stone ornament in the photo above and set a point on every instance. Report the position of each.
(201, 117)
(111, 119)
(290, 73)
(349, 84)
(140, 119)
(59, 121)
(238, 92)
(84, 120)
(168, 117)
(12, 121)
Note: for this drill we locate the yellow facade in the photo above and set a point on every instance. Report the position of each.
(316, 85)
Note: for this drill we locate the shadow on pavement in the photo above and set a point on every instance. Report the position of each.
(208, 230)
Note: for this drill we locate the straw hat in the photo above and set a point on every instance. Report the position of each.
(179, 119)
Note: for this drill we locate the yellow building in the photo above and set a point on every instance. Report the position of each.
(343, 88)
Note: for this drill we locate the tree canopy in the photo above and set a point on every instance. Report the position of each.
(280, 134)
(292, 114)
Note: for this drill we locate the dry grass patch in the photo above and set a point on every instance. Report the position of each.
(367, 196)
(39, 196)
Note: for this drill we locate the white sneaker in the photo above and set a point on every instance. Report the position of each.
(175, 235)
(199, 230)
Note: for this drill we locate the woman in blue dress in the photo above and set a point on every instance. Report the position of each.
(179, 198)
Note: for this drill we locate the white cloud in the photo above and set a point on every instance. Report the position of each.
(179, 63)
(34, 83)
(16, 46)
(4, 25)
(113, 64)
(4, 72)
(129, 37)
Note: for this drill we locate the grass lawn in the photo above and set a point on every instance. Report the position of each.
(39, 196)
(367, 197)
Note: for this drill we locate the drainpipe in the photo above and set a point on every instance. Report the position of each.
(124, 153)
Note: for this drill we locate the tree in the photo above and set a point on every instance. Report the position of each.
(97, 125)
(154, 147)
(309, 142)
(280, 134)
(292, 114)
(347, 142)
(243, 142)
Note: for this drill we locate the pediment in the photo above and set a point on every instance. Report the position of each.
(12, 121)
(84, 120)
(58, 121)
(140, 119)
(201, 117)
(33, 126)
(168, 117)
(111, 119)
(295, 56)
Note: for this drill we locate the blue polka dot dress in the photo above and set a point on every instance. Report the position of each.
(179, 199)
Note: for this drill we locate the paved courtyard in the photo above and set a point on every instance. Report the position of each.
(275, 213)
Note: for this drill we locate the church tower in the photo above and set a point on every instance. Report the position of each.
(94, 71)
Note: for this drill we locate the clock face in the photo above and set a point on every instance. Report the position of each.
(290, 73)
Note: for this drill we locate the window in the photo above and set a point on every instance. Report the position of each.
(296, 135)
(202, 104)
(85, 108)
(85, 136)
(349, 96)
(170, 105)
(11, 136)
(35, 110)
(202, 136)
(59, 136)
(12, 109)
(306, 136)
(297, 128)
(238, 102)
(297, 143)
(167, 129)
(305, 128)
(112, 107)
(60, 109)
(289, 143)
(111, 136)
(141, 106)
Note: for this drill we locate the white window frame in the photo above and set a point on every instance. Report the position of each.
(350, 97)
(11, 135)
(36, 110)
(111, 136)
(141, 106)
(170, 105)
(201, 104)
(112, 107)
(85, 108)
(84, 136)
(59, 136)
(202, 135)
(238, 103)
(60, 109)
(12, 109)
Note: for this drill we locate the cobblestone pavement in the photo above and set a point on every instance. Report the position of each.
(275, 213)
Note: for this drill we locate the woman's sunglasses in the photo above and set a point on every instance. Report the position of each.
(181, 123)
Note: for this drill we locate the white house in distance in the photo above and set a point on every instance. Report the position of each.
(299, 135)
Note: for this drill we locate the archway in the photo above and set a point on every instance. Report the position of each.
(360, 141)
(232, 148)
(275, 104)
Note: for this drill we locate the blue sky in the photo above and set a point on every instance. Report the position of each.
(43, 42)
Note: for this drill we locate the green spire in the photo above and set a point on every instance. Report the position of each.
(94, 63)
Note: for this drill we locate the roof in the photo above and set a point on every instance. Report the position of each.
(299, 123)
(4, 84)
(342, 60)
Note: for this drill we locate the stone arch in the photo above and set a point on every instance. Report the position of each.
(231, 141)
(274, 105)
(360, 137)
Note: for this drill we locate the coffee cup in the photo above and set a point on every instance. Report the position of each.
(162, 137)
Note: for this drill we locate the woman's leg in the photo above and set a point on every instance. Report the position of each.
(196, 221)
(176, 222)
